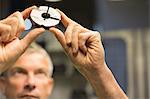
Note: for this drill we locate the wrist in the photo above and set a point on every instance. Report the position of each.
(96, 70)
(104, 83)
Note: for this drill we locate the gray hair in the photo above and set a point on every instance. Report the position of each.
(35, 48)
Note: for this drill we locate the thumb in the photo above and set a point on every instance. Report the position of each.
(31, 36)
(59, 35)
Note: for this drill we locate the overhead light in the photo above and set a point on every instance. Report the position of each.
(53, 0)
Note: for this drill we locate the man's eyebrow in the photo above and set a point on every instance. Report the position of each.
(11, 70)
(42, 69)
(16, 68)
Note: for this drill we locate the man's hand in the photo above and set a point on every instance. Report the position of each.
(11, 47)
(85, 49)
(83, 46)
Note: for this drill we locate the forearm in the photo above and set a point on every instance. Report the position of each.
(105, 85)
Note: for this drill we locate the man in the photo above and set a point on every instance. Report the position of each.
(30, 76)
(83, 47)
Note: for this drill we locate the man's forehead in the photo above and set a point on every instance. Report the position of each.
(31, 61)
(30, 54)
(28, 57)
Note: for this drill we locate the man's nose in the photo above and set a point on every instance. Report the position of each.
(30, 83)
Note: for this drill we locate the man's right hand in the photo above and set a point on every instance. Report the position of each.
(11, 47)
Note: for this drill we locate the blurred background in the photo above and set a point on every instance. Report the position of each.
(124, 26)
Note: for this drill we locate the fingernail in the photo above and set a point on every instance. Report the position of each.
(51, 28)
(42, 29)
(34, 6)
(69, 44)
(74, 50)
(57, 9)
(75, 54)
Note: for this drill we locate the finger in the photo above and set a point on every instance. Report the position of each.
(4, 28)
(31, 36)
(5, 38)
(21, 26)
(74, 42)
(13, 22)
(82, 45)
(59, 35)
(0, 39)
(4, 32)
(68, 35)
(83, 48)
(64, 19)
(83, 40)
(16, 23)
(19, 16)
(27, 12)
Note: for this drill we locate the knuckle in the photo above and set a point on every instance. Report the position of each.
(77, 26)
(14, 20)
(81, 36)
(3, 39)
(7, 29)
(75, 29)
(17, 13)
(97, 34)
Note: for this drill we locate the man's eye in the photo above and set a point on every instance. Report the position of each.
(41, 73)
(18, 72)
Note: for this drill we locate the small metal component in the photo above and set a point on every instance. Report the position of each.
(45, 16)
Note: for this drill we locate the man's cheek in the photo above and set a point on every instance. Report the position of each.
(43, 85)
(17, 86)
(12, 90)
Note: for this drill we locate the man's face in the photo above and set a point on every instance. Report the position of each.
(28, 78)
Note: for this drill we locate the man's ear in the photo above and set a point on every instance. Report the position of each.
(51, 85)
(2, 85)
